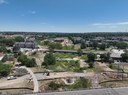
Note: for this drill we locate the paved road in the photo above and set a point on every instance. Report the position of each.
(41, 76)
(108, 91)
(36, 85)
(72, 51)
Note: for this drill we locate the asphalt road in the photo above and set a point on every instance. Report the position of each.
(108, 91)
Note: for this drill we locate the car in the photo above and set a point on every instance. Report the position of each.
(11, 78)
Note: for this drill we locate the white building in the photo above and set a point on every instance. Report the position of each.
(116, 55)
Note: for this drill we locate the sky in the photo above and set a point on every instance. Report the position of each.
(64, 15)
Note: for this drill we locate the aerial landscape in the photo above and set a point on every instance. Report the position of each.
(63, 47)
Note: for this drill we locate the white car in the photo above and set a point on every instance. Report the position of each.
(11, 78)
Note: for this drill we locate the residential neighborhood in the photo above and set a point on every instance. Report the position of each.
(63, 47)
(41, 65)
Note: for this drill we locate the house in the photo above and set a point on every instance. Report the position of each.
(30, 39)
(116, 55)
(63, 40)
(25, 45)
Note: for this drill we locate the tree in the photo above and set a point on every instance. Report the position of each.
(16, 49)
(80, 52)
(122, 45)
(46, 42)
(91, 57)
(55, 46)
(5, 69)
(3, 49)
(91, 64)
(5, 58)
(95, 45)
(49, 59)
(111, 65)
(26, 61)
(102, 46)
(19, 39)
(83, 45)
(33, 62)
(124, 56)
(81, 83)
(7, 42)
(54, 86)
(105, 57)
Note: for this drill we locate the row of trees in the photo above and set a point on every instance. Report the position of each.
(26, 61)
(10, 41)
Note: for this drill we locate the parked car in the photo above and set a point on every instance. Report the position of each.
(11, 78)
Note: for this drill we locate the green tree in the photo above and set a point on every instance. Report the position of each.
(49, 59)
(80, 52)
(102, 46)
(7, 42)
(26, 61)
(5, 69)
(124, 57)
(3, 49)
(95, 45)
(81, 83)
(122, 45)
(19, 39)
(105, 57)
(91, 57)
(91, 64)
(46, 42)
(54, 86)
(5, 58)
(16, 49)
(55, 46)
(83, 45)
(111, 65)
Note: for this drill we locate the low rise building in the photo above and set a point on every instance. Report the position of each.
(25, 45)
(116, 55)
(63, 41)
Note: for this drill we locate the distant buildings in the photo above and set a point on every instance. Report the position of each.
(25, 45)
(63, 40)
(10, 36)
(28, 43)
(30, 39)
(116, 55)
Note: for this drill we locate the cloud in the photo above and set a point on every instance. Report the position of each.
(110, 24)
(3, 2)
(32, 12)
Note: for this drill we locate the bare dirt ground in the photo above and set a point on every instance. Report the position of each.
(16, 83)
(102, 67)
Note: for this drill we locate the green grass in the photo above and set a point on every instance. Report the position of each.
(62, 65)
(68, 47)
(83, 56)
(80, 83)
(63, 55)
